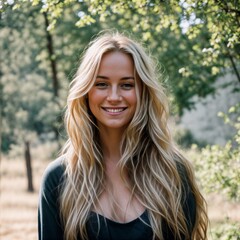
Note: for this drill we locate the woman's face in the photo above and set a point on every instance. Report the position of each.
(112, 99)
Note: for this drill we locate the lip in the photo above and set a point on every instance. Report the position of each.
(114, 110)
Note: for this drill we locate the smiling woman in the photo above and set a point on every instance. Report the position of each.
(113, 99)
(120, 175)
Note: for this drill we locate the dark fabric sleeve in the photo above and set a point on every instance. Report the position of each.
(49, 223)
(188, 200)
(189, 209)
(188, 205)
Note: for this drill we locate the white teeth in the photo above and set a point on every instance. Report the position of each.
(114, 110)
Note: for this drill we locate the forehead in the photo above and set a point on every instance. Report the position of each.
(116, 61)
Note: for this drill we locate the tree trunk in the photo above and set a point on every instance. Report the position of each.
(53, 64)
(28, 160)
(1, 110)
(52, 57)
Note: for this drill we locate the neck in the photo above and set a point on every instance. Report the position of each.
(111, 141)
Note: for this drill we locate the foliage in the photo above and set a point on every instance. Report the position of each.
(226, 231)
(27, 105)
(218, 167)
(218, 171)
(196, 41)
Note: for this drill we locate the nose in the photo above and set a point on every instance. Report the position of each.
(114, 94)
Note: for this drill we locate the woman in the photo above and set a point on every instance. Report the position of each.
(120, 175)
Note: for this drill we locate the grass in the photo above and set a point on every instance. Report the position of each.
(18, 208)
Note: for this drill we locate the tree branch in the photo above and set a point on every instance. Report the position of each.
(227, 9)
(233, 63)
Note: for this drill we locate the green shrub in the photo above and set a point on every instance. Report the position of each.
(217, 167)
(226, 231)
(218, 171)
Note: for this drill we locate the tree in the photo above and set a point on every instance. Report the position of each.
(196, 41)
(25, 91)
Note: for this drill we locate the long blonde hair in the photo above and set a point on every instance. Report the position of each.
(155, 167)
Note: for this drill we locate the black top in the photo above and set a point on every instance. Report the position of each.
(51, 228)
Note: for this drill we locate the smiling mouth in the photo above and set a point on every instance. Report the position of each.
(114, 110)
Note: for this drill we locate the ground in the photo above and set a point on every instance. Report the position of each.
(18, 208)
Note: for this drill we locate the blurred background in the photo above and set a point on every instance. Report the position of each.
(197, 47)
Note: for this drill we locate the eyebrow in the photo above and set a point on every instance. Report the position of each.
(123, 78)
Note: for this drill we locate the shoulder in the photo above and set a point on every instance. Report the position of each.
(53, 174)
(184, 168)
(185, 173)
(188, 198)
(55, 167)
(49, 218)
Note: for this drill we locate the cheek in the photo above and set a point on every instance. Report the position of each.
(94, 97)
(132, 98)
